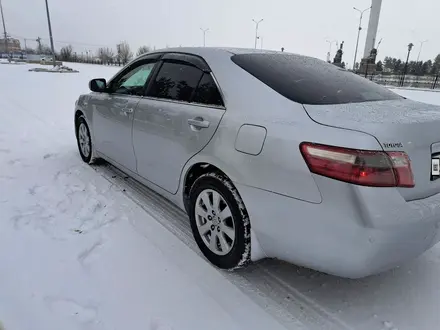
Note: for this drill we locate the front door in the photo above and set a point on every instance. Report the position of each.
(114, 112)
(174, 121)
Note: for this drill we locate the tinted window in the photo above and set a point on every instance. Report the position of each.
(175, 81)
(308, 80)
(207, 92)
(134, 80)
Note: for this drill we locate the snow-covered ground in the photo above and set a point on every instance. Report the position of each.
(87, 248)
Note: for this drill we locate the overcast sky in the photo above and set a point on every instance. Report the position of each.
(298, 26)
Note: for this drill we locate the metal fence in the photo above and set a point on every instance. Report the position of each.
(409, 81)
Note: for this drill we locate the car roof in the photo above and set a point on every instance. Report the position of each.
(206, 51)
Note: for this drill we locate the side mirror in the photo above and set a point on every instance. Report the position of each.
(98, 85)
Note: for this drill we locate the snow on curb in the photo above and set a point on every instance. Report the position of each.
(14, 63)
(57, 69)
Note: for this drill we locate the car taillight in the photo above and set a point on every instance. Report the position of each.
(361, 167)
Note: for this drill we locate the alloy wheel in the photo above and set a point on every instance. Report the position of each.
(84, 140)
(215, 222)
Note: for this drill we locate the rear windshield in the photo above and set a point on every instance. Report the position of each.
(308, 80)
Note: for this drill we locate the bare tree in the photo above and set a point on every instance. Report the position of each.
(123, 52)
(143, 50)
(66, 53)
(105, 54)
(101, 55)
(39, 48)
(44, 49)
(29, 50)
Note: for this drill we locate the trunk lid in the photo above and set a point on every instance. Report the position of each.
(398, 125)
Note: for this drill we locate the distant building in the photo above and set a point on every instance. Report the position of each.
(13, 45)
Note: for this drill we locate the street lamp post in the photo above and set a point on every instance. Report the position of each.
(402, 81)
(330, 48)
(256, 30)
(50, 34)
(4, 29)
(420, 50)
(204, 36)
(359, 32)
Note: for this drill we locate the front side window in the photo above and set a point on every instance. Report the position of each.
(207, 92)
(175, 81)
(133, 82)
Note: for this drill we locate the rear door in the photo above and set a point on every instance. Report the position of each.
(176, 119)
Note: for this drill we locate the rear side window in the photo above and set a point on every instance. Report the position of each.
(308, 80)
(207, 92)
(175, 81)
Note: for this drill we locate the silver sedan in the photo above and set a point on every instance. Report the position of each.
(273, 155)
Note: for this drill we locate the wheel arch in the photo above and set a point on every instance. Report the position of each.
(81, 112)
(78, 113)
(210, 171)
(194, 172)
(203, 166)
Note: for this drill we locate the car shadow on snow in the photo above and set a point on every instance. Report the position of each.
(402, 298)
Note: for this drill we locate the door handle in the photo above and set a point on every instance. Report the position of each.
(198, 122)
(127, 110)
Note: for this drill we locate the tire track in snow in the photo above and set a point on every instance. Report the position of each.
(260, 282)
(84, 256)
(301, 300)
(84, 314)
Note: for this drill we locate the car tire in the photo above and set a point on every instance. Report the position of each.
(84, 141)
(214, 225)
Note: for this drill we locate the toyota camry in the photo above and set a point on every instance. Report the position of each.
(273, 155)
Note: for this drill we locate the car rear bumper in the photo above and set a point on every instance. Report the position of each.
(355, 231)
